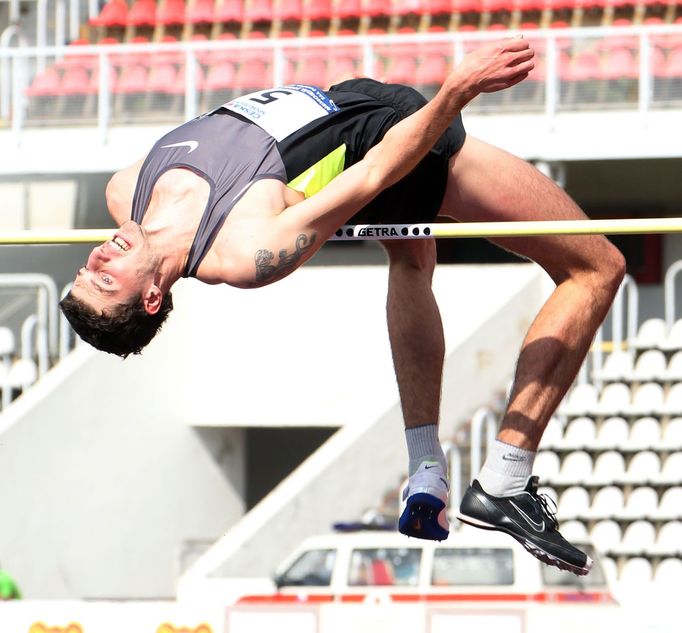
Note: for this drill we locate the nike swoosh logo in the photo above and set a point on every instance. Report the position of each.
(427, 466)
(513, 458)
(538, 527)
(191, 144)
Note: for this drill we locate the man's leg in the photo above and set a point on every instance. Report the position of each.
(418, 347)
(487, 184)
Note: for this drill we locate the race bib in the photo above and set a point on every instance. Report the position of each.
(283, 111)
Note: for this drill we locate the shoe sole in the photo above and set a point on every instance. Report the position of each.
(540, 554)
(420, 517)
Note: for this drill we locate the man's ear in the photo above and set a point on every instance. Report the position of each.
(152, 299)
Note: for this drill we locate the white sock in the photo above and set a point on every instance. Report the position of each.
(506, 469)
(423, 445)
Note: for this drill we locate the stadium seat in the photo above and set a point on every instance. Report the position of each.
(651, 365)
(347, 9)
(668, 575)
(45, 84)
(671, 435)
(133, 80)
(670, 505)
(637, 538)
(113, 14)
(553, 434)
(581, 400)
(200, 12)
(641, 502)
(437, 7)
(312, 72)
(607, 503)
(645, 433)
(547, 465)
(220, 77)
(609, 468)
(647, 400)
(408, 7)
(645, 467)
(142, 13)
(580, 433)
(650, 335)
(75, 80)
(636, 573)
(574, 503)
(673, 341)
(673, 372)
(669, 473)
(576, 468)
(573, 530)
(614, 399)
(378, 8)
(227, 11)
(605, 535)
(316, 10)
(253, 74)
(617, 366)
(673, 401)
(402, 70)
(288, 10)
(612, 433)
(258, 11)
(171, 12)
(668, 540)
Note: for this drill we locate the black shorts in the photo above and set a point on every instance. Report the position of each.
(419, 195)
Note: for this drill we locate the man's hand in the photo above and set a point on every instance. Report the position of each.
(493, 67)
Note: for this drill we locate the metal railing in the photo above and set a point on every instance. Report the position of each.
(620, 68)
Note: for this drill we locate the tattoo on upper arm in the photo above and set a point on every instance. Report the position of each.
(268, 270)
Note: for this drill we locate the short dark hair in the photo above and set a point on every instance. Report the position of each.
(125, 329)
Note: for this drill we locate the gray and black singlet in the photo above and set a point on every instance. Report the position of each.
(303, 137)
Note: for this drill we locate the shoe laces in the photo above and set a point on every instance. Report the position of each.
(548, 506)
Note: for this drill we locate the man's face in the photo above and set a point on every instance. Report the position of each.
(117, 271)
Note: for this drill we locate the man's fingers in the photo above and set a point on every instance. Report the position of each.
(517, 43)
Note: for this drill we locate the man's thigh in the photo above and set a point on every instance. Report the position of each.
(487, 184)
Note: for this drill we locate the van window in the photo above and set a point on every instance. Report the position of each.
(395, 566)
(472, 566)
(313, 569)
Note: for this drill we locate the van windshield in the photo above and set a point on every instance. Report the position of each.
(472, 566)
(386, 566)
(313, 569)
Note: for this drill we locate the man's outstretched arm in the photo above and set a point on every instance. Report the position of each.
(310, 223)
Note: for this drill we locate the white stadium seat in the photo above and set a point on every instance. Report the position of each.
(618, 366)
(634, 580)
(606, 535)
(673, 372)
(638, 537)
(670, 504)
(650, 366)
(671, 470)
(671, 435)
(608, 502)
(574, 531)
(640, 503)
(546, 466)
(574, 503)
(650, 335)
(643, 468)
(614, 399)
(580, 433)
(645, 433)
(575, 468)
(668, 575)
(581, 400)
(609, 468)
(673, 401)
(673, 340)
(553, 434)
(669, 540)
(646, 400)
(612, 433)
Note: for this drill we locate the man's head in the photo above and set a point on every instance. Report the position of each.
(116, 304)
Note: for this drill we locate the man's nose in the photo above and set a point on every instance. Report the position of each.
(97, 255)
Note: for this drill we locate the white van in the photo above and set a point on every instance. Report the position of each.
(471, 566)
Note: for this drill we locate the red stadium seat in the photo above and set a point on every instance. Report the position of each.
(45, 84)
(132, 80)
(113, 13)
(673, 67)
(75, 81)
(620, 63)
(142, 13)
(583, 67)
(171, 12)
(432, 71)
(467, 6)
(200, 12)
(288, 10)
(437, 7)
(227, 11)
(407, 7)
(317, 10)
(258, 11)
(220, 76)
(402, 70)
(163, 78)
(252, 75)
(377, 8)
(495, 6)
(346, 9)
(313, 72)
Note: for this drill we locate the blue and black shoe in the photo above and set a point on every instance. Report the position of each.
(426, 500)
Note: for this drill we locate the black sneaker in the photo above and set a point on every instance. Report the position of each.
(527, 517)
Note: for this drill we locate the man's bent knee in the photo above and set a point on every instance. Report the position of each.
(415, 254)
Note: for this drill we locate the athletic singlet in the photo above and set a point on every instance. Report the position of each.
(295, 134)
